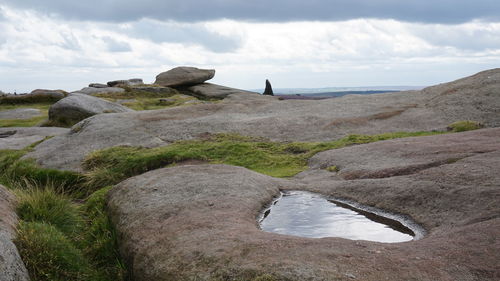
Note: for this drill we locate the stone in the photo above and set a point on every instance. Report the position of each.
(98, 85)
(269, 90)
(129, 82)
(50, 93)
(477, 98)
(155, 90)
(2, 93)
(199, 221)
(20, 137)
(93, 91)
(12, 267)
(20, 113)
(213, 91)
(184, 76)
(77, 107)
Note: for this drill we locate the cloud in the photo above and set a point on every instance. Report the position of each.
(175, 32)
(443, 11)
(116, 46)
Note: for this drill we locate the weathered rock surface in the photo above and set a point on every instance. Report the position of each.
(77, 107)
(213, 91)
(20, 113)
(20, 137)
(11, 266)
(156, 90)
(199, 222)
(93, 91)
(98, 85)
(474, 98)
(129, 82)
(52, 93)
(183, 76)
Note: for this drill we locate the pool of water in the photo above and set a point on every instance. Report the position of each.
(312, 215)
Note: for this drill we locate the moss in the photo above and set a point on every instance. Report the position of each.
(462, 126)
(278, 159)
(49, 255)
(333, 169)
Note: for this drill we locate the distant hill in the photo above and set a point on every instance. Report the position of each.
(338, 91)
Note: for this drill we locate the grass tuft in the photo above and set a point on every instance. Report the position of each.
(462, 126)
(49, 255)
(48, 206)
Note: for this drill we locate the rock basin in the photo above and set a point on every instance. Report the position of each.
(307, 214)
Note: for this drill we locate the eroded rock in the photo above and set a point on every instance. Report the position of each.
(12, 267)
(183, 76)
(213, 91)
(93, 91)
(129, 82)
(20, 137)
(20, 113)
(77, 107)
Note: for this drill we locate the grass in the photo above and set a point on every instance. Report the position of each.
(49, 255)
(142, 100)
(43, 107)
(277, 159)
(462, 126)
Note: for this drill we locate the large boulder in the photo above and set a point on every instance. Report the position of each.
(12, 267)
(39, 95)
(183, 76)
(213, 91)
(287, 120)
(20, 113)
(93, 91)
(199, 222)
(98, 85)
(20, 137)
(77, 107)
(50, 93)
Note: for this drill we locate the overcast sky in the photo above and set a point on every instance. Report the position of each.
(294, 43)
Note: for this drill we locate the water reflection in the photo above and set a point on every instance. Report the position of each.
(311, 215)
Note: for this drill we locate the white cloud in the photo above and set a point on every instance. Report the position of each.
(49, 52)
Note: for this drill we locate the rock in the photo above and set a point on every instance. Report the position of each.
(20, 113)
(2, 93)
(199, 221)
(98, 85)
(155, 90)
(213, 91)
(77, 107)
(93, 91)
(183, 76)
(20, 137)
(287, 120)
(50, 93)
(129, 82)
(11, 266)
(124, 101)
(269, 90)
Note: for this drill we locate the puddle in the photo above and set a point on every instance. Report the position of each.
(313, 215)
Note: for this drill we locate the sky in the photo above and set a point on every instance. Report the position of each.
(61, 44)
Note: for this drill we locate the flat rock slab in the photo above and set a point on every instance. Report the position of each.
(20, 113)
(287, 120)
(93, 91)
(20, 137)
(183, 76)
(11, 266)
(199, 223)
(213, 91)
(77, 107)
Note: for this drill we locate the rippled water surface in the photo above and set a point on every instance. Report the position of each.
(311, 215)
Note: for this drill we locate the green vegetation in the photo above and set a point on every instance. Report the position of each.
(49, 255)
(278, 159)
(44, 108)
(147, 100)
(462, 126)
(332, 169)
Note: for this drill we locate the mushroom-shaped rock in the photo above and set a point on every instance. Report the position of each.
(11, 266)
(77, 107)
(213, 91)
(184, 76)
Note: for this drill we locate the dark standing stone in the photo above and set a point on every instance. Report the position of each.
(269, 90)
